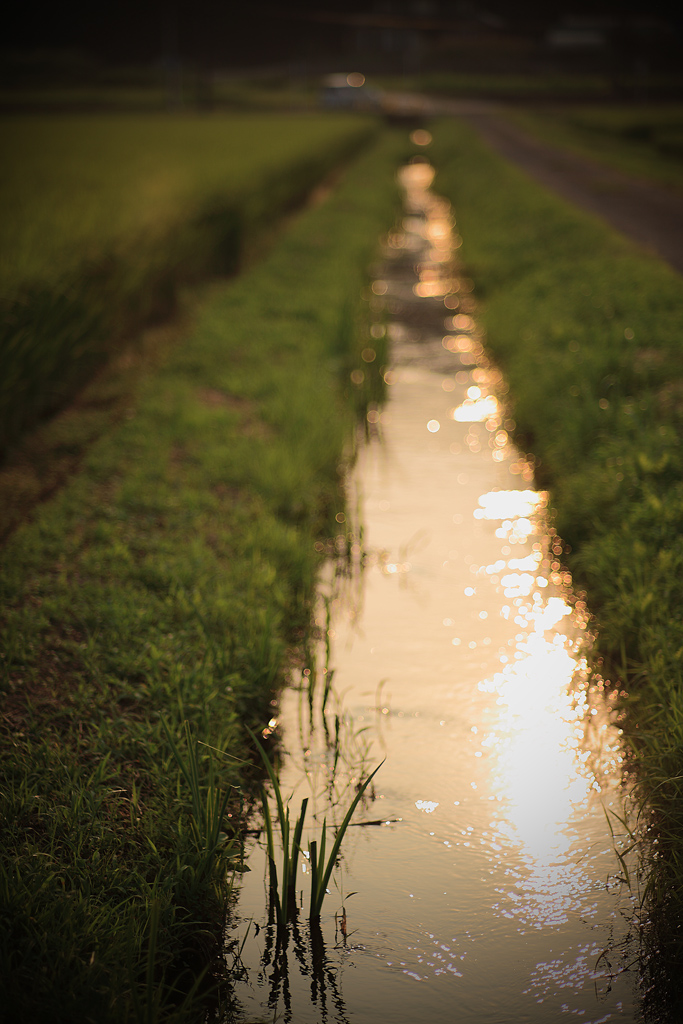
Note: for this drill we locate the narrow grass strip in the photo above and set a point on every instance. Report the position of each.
(169, 583)
(587, 330)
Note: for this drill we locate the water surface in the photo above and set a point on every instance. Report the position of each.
(483, 870)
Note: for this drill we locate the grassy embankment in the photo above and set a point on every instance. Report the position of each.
(103, 219)
(171, 582)
(587, 330)
(643, 141)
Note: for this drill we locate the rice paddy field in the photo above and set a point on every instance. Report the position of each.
(104, 219)
(193, 92)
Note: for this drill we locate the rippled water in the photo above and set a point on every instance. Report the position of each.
(480, 882)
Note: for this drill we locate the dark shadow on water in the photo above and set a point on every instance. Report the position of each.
(303, 940)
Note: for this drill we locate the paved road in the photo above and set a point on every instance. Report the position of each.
(649, 214)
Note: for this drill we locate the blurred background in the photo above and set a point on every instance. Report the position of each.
(206, 53)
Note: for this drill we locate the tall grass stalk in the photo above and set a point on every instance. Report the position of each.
(156, 1001)
(209, 805)
(321, 869)
(282, 891)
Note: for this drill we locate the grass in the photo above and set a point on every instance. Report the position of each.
(151, 610)
(639, 140)
(282, 891)
(146, 91)
(541, 86)
(500, 84)
(587, 330)
(322, 867)
(62, 97)
(104, 219)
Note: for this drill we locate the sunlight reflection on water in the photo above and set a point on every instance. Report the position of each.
(483, 871)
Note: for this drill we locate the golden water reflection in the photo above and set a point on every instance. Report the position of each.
(541, 772)
(541, 776)
(515, 871)
(548, 753)
(475, 410)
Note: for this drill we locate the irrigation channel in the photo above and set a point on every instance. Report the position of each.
(480, 880)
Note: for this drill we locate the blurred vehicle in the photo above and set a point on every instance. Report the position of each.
(349, 92)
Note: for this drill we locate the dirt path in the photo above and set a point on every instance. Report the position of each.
(650, 215)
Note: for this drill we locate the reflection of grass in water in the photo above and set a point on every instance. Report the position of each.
(312, 961)
(345, 742)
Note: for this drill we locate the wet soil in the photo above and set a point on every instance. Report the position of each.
(649, 214)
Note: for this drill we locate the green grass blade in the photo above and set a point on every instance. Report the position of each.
(313, 855)
(296, 842)
(268, 823)
(328, 868)
(273, 778)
